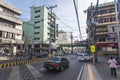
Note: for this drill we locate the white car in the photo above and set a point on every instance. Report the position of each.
(84, 57)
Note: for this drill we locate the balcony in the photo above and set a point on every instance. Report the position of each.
(106, 23)
(10, 18)
(101, 33)
(107, 14)
(10, 7)
(9, 29)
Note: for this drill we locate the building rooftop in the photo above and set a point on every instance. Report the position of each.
(61, 31)
(5, 4)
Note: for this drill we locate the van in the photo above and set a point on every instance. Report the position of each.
(84, 57)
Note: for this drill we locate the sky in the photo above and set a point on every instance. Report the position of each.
(65, 11)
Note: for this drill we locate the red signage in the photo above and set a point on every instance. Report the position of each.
(107, 44)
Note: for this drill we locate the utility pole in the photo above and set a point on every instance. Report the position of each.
(117, 27)
(33, 41)
(71, 36)
(92, 23)
(50, 41)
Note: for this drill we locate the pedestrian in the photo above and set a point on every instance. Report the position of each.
(113, 65)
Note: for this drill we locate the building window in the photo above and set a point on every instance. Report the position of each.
(7, 34)
(37, 11)
(102, 39)
(13, 36)
(112, 10)
(37, 22)
(37, 32)
(0, 33)
(108, 19)
(37, 27)
(113, 29)
(37, 16)
(104, 20)
(36, 38)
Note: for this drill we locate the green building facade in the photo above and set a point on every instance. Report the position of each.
(41, 27)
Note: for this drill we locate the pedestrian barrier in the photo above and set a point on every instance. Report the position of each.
(20, 62)
(16, 63)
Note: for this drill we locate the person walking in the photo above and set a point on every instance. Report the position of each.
(113, 65)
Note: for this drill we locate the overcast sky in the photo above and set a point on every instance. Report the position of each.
(64, 11)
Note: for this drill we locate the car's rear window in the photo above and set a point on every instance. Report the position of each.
(55, 59)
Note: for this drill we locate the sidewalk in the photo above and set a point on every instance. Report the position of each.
(90, 72)
(104, 70)
(98, 71)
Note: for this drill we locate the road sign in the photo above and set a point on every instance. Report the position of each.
(92, 48)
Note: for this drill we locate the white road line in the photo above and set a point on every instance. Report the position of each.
(80, 73)
(42, 69)
(35, 73)
(14, 75)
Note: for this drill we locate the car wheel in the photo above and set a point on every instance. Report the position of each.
(62, 68)
(67, 65)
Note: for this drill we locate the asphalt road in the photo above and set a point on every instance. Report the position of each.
(35, 71)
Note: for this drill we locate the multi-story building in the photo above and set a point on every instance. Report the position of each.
(105, 32)
(42, 27)
(63, 38)
(10, 28)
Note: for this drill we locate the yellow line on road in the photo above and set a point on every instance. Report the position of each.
(90, 73)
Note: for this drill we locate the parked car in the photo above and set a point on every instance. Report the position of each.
(42, 54)
(84, 57)
(56, 63)
(59, 53)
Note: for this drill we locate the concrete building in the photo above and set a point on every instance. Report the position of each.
(105, 31)
(63, 37)
(10, 28)
(38, 30)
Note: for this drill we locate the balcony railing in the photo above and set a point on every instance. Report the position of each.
(10, 18)
(107, 14)
(10, 29)
(106, 23)
(101, 33)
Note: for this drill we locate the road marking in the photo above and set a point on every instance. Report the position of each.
(35, 73)
(80, 73)
(91, 76)
(14, 75)
(42, 69)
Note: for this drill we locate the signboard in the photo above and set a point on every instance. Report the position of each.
(108, 37)
(92, 48)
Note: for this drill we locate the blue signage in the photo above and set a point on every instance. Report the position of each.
(108, 37)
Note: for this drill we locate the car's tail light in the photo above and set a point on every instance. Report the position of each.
(55, 65)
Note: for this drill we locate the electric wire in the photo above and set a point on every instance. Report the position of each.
(77, 20)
